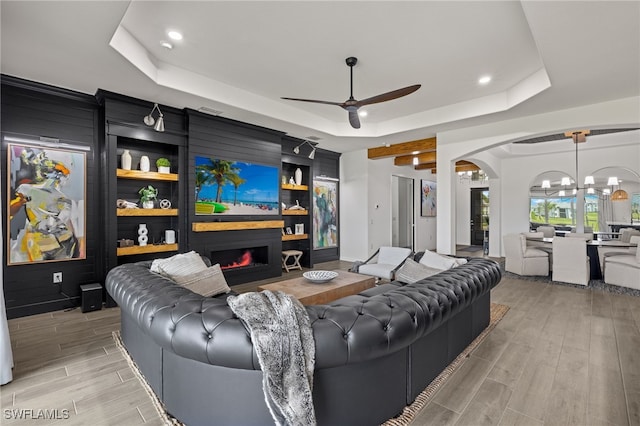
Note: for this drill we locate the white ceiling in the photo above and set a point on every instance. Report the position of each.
(240, 57)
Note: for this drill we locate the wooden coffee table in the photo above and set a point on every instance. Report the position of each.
(308, 293)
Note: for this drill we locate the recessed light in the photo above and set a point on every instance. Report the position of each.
(363, 113)
(174, 35)
(415, 152)
(166, 45)
(484, 79)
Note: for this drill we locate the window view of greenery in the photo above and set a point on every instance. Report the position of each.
(485, 210)
(561, 211)
(635, 207)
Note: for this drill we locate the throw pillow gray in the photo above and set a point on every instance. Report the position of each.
(412, 271)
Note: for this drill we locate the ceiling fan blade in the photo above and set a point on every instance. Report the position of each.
(354, 119)
(314, 101)
(389, 95)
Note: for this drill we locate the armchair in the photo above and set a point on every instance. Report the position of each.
(384, 262)
(523, 260)
(623, 270)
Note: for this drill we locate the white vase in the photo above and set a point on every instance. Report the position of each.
(145, 166)
(164, 169)
(142, 234)
(148, 204)
(170, 236)
(125, 160)
(298, 175)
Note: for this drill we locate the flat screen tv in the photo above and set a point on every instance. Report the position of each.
(226, 187)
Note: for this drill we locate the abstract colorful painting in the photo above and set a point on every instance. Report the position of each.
(325, 214)
(47, 192)
(427, 198)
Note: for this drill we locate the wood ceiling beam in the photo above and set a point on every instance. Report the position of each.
(407, 160)
(461, 166)
(405, 148)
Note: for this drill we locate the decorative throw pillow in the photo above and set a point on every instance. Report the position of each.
(209, 282)
(412, 271)
(179, 265)
(437, 261)
(460, 260)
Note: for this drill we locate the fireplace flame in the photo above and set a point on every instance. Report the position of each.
(245, 260)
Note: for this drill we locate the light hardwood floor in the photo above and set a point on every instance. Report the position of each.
(562, 355)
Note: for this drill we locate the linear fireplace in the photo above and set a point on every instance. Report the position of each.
(249, 257)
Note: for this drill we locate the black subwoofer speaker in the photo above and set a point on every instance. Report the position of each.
(91, 299)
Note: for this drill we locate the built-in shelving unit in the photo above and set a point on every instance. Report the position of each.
(125, 184)
(293, 195)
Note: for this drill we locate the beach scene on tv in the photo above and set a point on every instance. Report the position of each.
(235, 188)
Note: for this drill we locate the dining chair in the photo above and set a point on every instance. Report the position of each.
(570, 261)
(623, 270)
(523, 260)
(548, 231)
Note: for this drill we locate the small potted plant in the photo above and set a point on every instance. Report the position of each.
(164, 165)
(148, 195)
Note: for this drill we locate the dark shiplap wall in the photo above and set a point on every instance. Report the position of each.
(215, 137)
(34, 109)
(37, 110)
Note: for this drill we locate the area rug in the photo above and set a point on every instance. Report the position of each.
(469, 249)
(598, 285)
(405, 418)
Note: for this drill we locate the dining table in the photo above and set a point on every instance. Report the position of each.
(595, 271)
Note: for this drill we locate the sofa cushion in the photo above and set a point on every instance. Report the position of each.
(437, 261)
(180, 265)
(209, 282)
(412, 271)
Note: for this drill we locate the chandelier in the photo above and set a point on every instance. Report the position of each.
(580, 136)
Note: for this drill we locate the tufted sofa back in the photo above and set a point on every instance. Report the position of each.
(353, 329)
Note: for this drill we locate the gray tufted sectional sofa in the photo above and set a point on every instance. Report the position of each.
(375, 351)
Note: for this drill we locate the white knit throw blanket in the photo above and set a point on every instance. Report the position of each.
(282, 337)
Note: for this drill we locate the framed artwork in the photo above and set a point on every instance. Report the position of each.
(289, 231)
(236, 188)
(47, 193)
(299, 228)
(428, 193)
(325, 214)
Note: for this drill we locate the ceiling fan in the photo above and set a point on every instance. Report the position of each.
(351, 105)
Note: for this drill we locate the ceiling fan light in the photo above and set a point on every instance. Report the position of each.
(546, 184)
(619, 195)
(589, 180)
(613, 181)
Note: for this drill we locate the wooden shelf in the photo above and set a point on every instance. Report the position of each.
(151, 248)
(236, 226)
(294, 187)
(137, 174)
(295, 212)
(147, 212)
(295, 237)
